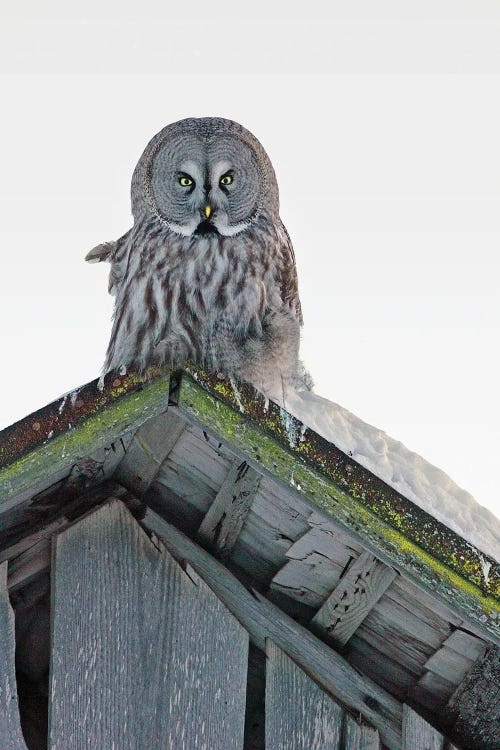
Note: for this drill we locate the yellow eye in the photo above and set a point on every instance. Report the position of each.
(185, 181)
(226, 180)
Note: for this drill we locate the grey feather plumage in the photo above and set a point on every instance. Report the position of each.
(220, 291)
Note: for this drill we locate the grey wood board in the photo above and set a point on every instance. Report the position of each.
(449, 664)
(429, 609)
(200, 455)
(264, 620)
(316, 563)
(144, 655)
(466, 644)
(226, 516)
(357, 592)
(418, 734)
(356, 736)
(383, 669)
(432, 691)
(11, 737)
(301, 716)
(149, 447)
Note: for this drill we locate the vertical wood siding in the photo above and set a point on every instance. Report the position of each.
(418, 734)
(301, 716)
(11, 737)
(144, 654)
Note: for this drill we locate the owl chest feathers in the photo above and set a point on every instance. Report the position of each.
(187, 298)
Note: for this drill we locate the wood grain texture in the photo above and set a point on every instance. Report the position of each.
(299, 715)
(317, 561)
(226, 516)
(144, 654)
(356, 594)
(264, 620)
(11, 737)
(150, 446)
(418, 734)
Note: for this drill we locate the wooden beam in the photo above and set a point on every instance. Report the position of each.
(144, 655)
(418, 734)
(264, 620)
(150, 446)
(11, 737)
(223, 521)
(357, 592)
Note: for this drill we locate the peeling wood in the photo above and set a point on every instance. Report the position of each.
(358, 591)
(226, 516)
(150, 446)
(11, 737)
(264, 620)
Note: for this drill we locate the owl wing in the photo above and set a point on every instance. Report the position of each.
(114, 253)
(288, 277)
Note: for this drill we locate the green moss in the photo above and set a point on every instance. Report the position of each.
(344, 504)
(126, 412)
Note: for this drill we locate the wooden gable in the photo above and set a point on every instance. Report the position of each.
(295, 548)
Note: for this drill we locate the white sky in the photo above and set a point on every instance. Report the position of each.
(382, 120)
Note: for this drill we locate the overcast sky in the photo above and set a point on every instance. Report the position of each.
(382, 120)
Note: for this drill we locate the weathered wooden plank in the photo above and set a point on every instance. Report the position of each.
(466, 644)
(299, 715)
(263, 620)
(356, 736)
(226, 516)
(432, 691)
(449, 664)
(418, 734)
(11, 737)
(150, 446)
(358, 591)
(316, 563)
(144, 654)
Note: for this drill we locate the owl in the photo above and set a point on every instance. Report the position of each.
(207, 273)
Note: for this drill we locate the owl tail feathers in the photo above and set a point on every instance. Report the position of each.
(101, 252)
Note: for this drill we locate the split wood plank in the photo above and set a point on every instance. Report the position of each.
(301, 716)
(264, 620)
(315, 564)
(359, 589)
(418, 734)
(11, 736)
(144, 654)
(150, 446)
(226, 516)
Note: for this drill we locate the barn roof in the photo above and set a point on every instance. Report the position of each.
(289, 513)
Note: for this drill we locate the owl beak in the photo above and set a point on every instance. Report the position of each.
(208, 211)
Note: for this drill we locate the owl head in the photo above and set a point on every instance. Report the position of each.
(204, 176)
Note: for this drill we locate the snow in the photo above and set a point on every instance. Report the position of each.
(407, 472)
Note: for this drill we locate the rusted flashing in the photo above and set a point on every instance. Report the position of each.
(68, 412)
(436, 539)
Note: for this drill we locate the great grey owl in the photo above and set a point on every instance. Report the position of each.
(207, 273)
